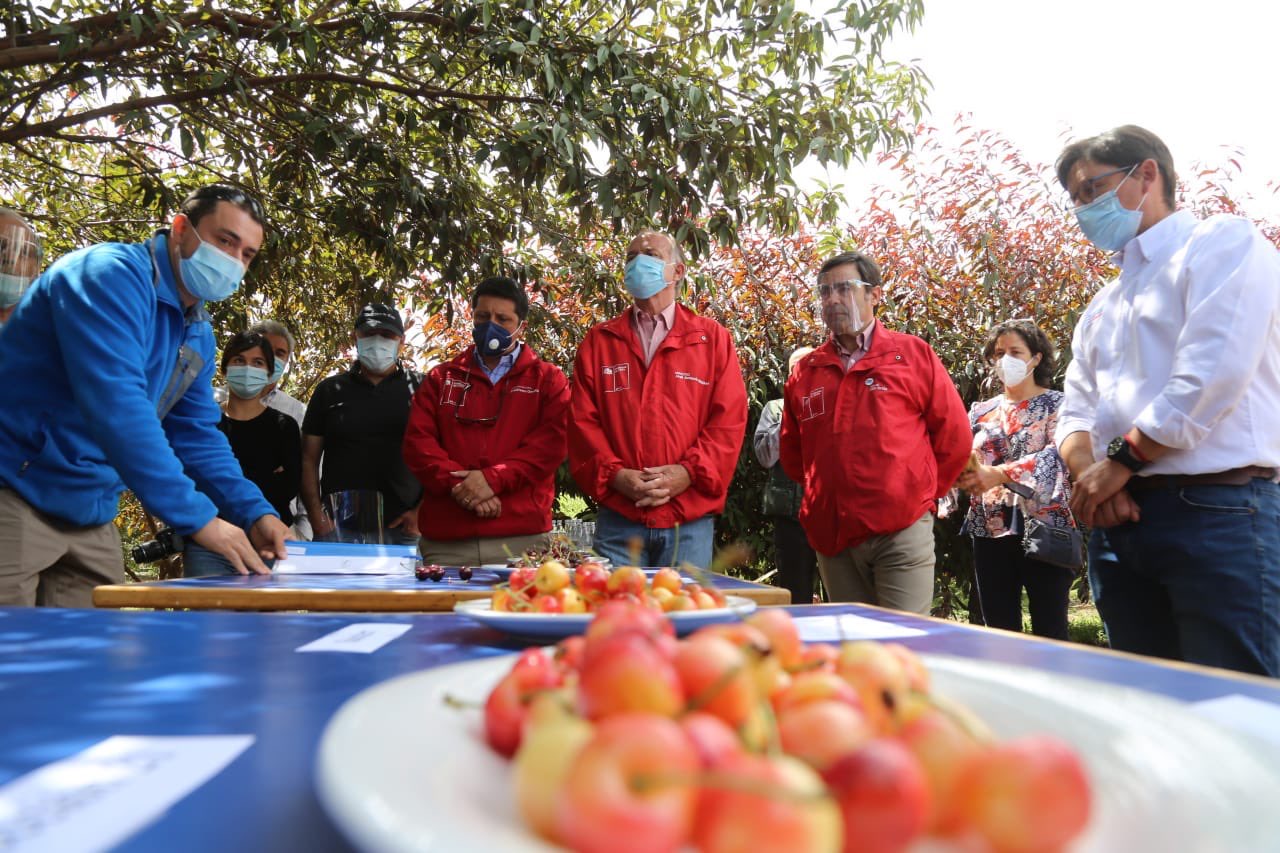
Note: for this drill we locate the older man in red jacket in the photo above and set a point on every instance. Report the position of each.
(874, 429)
(659, 414)
(486, 433)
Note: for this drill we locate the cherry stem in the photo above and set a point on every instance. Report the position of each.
(461, 704)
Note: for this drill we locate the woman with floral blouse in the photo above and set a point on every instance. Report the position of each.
(1020, 476)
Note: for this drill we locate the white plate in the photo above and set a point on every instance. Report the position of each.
(555, 626)
(398, 770)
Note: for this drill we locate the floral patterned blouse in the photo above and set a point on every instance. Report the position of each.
(1017, 438)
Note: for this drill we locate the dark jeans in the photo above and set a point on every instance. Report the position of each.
(1197, 579)
(199, 562)
(797, 564)
(1001, 570)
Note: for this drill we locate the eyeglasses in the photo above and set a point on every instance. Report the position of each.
(224, 192)
(1086, 192)
(839, 288)
(486, 421)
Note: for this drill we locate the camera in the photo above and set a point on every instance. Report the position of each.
(166, 544)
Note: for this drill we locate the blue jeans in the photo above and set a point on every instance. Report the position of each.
(199, 562)
(691, 542)
(1197, 579)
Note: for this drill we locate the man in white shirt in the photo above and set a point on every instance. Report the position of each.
(1171, 422)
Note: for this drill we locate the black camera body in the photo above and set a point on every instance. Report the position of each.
(166, 544)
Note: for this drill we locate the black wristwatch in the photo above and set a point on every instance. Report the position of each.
(1120, 451)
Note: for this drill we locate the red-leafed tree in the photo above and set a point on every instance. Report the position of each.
(967, 234)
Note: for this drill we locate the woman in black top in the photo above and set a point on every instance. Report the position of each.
(266, 442)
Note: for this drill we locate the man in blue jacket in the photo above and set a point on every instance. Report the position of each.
(107, 368)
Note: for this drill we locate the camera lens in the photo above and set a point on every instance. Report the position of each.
(167, 542)
(148, 552)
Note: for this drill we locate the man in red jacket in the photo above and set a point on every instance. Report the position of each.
(486, 433)
(874, 429)
(659, 414)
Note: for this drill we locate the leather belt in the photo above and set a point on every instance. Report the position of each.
(1234, 477)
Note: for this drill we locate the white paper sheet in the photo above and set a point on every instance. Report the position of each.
(1243, 714)
(847, 626)
(358, 637)
(99, 797)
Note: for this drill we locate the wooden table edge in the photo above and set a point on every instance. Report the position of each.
(425, 600)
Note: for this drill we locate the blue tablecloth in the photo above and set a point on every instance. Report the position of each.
(71, 678)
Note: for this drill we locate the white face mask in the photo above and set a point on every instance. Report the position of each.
(1011, 370)
(377, 354)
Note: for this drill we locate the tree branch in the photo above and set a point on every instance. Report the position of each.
(46, 128)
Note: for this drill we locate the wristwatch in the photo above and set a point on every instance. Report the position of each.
(1120, 451)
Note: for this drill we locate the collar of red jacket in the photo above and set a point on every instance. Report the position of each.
(466, 360)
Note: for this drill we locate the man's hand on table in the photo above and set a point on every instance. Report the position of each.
(229, 541)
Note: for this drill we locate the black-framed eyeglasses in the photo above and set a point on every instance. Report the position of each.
(470, 421)
(1085, 192)
(839, 288)
(226, 192)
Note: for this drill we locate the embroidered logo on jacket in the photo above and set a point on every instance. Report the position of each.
(689, 377)
(813, 404)
(617, 377)
(453, 392)
(524, 389)
(875, 385)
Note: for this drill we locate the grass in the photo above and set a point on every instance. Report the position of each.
(1084, 625)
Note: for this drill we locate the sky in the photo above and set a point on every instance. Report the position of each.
(1200, 75)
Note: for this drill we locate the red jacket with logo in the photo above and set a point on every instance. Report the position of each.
(689, 406)
(513, 432)
(875, 447)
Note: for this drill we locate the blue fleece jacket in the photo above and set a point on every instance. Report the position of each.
(85, 362)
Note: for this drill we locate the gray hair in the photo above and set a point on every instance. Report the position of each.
(274, 327)
(677, 252)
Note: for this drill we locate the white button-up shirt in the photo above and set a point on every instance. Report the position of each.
(1185, 346)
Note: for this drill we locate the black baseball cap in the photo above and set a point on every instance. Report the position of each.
(378, 315)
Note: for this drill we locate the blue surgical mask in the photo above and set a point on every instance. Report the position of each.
(247, 381)
(491, 339)
(644, 276)
(1107, 223)
(282, 364)
(377, 354)
(11, 288)
(209, 274)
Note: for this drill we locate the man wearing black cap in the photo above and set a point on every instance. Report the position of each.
(356, 422)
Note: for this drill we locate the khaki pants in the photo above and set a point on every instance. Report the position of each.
(478, 551)
(893, 570)
(50, 563)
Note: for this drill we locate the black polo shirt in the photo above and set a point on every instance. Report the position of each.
(362, 425)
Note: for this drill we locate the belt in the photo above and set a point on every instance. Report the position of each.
(1234, 477)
